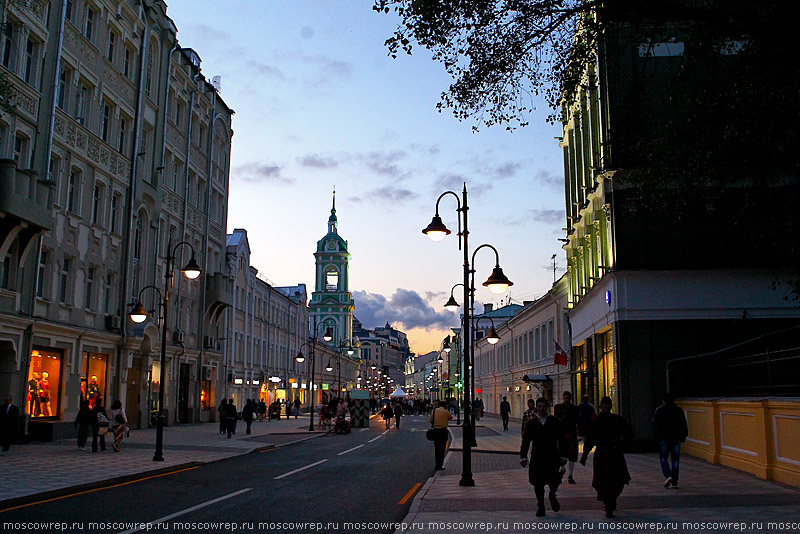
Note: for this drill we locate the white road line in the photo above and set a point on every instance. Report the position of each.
(186, 511)
(386, 431)
(301, 469)
(350, 450)
(363, 429)
(373, 439)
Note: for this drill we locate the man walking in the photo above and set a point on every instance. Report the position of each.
(587, 415)
(439, 419)
(297, 404)
(528, 414)
(9, 422)
(671, 431)
(505, 411)
(570, 416)
(544, 434)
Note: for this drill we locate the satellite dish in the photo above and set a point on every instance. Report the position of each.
(216, 81)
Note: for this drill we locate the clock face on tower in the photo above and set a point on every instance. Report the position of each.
(331, 245)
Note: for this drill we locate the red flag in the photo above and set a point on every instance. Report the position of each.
(560, 357)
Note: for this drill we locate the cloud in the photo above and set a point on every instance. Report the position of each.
(307, 32)
(548, 216)
(384, 163)
(507, 170)
(209, 34)
(318, 161)
(261, 173)
(549, 179)
(404, 309)
(268, 71)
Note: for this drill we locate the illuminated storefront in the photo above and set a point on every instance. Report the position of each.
(93, 376)
(44, 382)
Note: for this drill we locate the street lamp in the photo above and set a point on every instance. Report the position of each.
(300, 358)
(191, 271)
(436, 230)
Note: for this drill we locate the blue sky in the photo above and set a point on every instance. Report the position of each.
(319, 104)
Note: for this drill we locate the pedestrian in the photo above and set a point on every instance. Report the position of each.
(398, 413)
(297, 404)
(608, 432)
(324, 416)
(671, 431)
(587, 414)
(262, 410)
(439, 419)
(528, 414)
(248, 412)
(570, 416)
(118, 422)
(387, 414)
(9, 422)
(505, 411)
(544, 436)
(100, 424)
(223, 424)
(83, 422)
(231, 414)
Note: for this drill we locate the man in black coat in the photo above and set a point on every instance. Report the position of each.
(505, 411)
(671, 431)
(570, 417)
(545, 434)
(9, 422)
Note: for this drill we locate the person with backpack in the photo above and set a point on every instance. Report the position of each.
(100, 425)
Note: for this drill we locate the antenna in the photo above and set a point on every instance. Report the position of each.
(554, 267)
(216, 81)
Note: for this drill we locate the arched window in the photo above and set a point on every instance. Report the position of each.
(331, 279)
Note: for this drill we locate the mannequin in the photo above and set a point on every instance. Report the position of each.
(44, 395)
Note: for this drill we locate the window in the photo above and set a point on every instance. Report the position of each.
(89, 25)
(106, 121)
(112, 39)
(69, 10)
(179, 112)
(8, 50)
(107, 285)
(5, 271)
(55, 168)
(93, 376)
(44, 379)
(42, 275)
(123, 125)
(72, 190)
(63, 294)
(63, 86)
(31, 52)
(97, 200)
(82, 103)
(88, 304)
(331, 279)
(112, 223)
(126, 64)
(150, 73)
(21, 143)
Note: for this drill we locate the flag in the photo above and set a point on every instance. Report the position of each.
(560, 357)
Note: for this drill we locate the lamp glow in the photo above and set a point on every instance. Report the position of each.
(436, 230)
(498, 283)
(300, 358)
(139, 314)
(192, 270)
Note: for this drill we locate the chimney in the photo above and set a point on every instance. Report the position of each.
(487, 308)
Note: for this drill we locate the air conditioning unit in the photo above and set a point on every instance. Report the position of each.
(206, 373)
(179, 336)
(113, 322)
(209, 342)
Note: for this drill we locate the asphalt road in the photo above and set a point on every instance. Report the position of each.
(358, 482)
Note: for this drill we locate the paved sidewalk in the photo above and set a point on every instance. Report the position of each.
(41, 470)
(710, 498)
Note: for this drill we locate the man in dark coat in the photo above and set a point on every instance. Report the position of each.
(9, 422)
(545, 434)
(505, 411)
(671, 431)
(570, 417)
(608, 432)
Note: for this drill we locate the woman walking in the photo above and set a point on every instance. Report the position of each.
(99, 424)
(118, 422)
(608, 432)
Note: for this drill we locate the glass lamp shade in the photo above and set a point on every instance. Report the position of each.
(328, 335)
(329, 367)
(300, 358)
(192, 270)
(497, 282)
(373, 366)
(436, 230)
(492, 337)
(447, 348)
(139, 314)
(440, 359)
(451, 304)
(350, 352)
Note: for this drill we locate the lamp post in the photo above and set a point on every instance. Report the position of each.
(191, 271)
(327, 337)
(497, 282)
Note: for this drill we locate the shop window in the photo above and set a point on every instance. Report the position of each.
(205, 395)
(44, 379)
(93, 376)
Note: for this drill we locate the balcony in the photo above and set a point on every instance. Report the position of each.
(25, 198)
(219, 295)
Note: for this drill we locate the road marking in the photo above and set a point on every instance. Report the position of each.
(351, 450)
(363, 429)
(96, 489)
(301, 469)
(386, 431)
(410, 493)
(373, 439)
(186, 511)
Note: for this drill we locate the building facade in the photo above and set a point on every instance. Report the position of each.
(118, 149)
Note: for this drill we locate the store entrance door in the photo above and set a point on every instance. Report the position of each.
(134, 395)
(183, 394)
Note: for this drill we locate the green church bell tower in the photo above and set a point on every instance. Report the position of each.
(331, 302)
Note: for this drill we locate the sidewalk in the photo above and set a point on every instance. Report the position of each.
(42, 470)
(710, 498)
